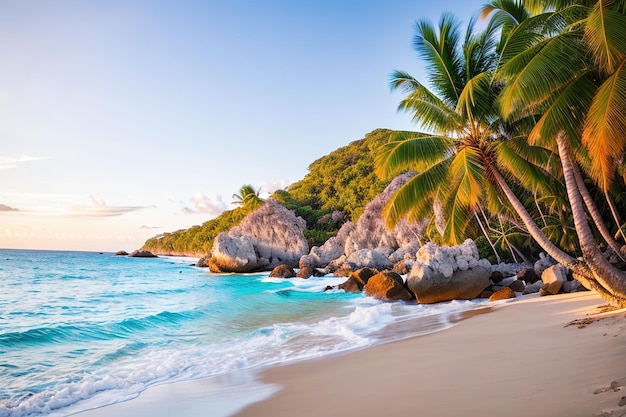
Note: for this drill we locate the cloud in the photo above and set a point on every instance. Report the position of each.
(212, 205)
(7, 162)
(98, 208)
(4, 207)
(271, 186)
(145, 227)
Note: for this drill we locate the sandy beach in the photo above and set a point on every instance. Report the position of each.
(523, 358)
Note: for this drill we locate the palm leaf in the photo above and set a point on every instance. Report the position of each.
(415, 197)
(605, 127)
(410, 150)
(605, 33)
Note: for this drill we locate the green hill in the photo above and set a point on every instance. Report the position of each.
(342, 181)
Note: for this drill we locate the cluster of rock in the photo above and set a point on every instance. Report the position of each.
(368, 243)
(142, 254)
(269, 236)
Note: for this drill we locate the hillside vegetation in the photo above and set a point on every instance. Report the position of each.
(336, 189)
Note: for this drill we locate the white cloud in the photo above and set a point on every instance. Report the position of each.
(98, 208)
(146, 227)
(212, 205)
(14, 161)
(271, 186)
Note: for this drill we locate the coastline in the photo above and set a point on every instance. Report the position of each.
(517, 359)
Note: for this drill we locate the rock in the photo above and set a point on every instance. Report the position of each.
(352, 284)
(204, 261)
(400, 267)
(344, 271)
(517, 285)
(485, 294)
(438, 275)
(267, 237)
(370, 232)
(543, 263)
(528, 275)
(533, 288)
(121, 253)
(496, 277)
(357, 280)
(331, 250)
(234, 254)
(387, 286)
(283, 271)
(142, 254)
(553, 279)
(369, 258)
(573, 286)
(309, 271)
(507, 281)
(503, 294)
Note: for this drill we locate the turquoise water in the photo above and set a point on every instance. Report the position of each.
(80, 330)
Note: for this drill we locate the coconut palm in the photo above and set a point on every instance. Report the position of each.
(458, 109)
(248, 198)
(566, 67)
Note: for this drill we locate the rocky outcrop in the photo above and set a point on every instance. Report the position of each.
(448, 273)
(142, 254)
(370, 232)
(121, 253)
(387, 286)
(283, 271)
(368, 258)
(204, 261)
(269, 236)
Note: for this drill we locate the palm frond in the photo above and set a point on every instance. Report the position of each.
(565, 112)
(416, 196)
(605, 33)
(440, 49)
(410, 150)
(605, 127)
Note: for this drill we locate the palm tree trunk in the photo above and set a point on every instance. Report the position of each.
(594, 212)
(616, 217)
(610, 278)
(493, 248)
(536, 233)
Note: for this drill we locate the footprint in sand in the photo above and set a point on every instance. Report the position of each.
(615, 386)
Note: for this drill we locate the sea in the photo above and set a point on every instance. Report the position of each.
(84, 330)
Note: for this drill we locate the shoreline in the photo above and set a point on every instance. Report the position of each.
(519, 359)
(512, 358)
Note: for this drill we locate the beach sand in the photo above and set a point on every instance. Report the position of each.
(518, 359)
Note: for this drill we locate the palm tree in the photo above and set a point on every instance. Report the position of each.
(248, 198)
(450, 162)
(567, 69)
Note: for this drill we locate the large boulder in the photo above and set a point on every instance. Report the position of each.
(387, 286)
(234, 254)
(283, 271)
(553, 279)
(121, 253)
(309, 271)
(448, 273)
(333, 248)
(204, 261)
(368, 258)
(269, 236)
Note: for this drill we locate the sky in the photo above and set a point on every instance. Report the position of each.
(120, 120)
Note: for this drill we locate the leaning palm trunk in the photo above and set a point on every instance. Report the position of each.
(493, 248)
(607, 276)
(572, 263)
(592, 208)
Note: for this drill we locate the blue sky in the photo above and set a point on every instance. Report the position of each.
(124, 119)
